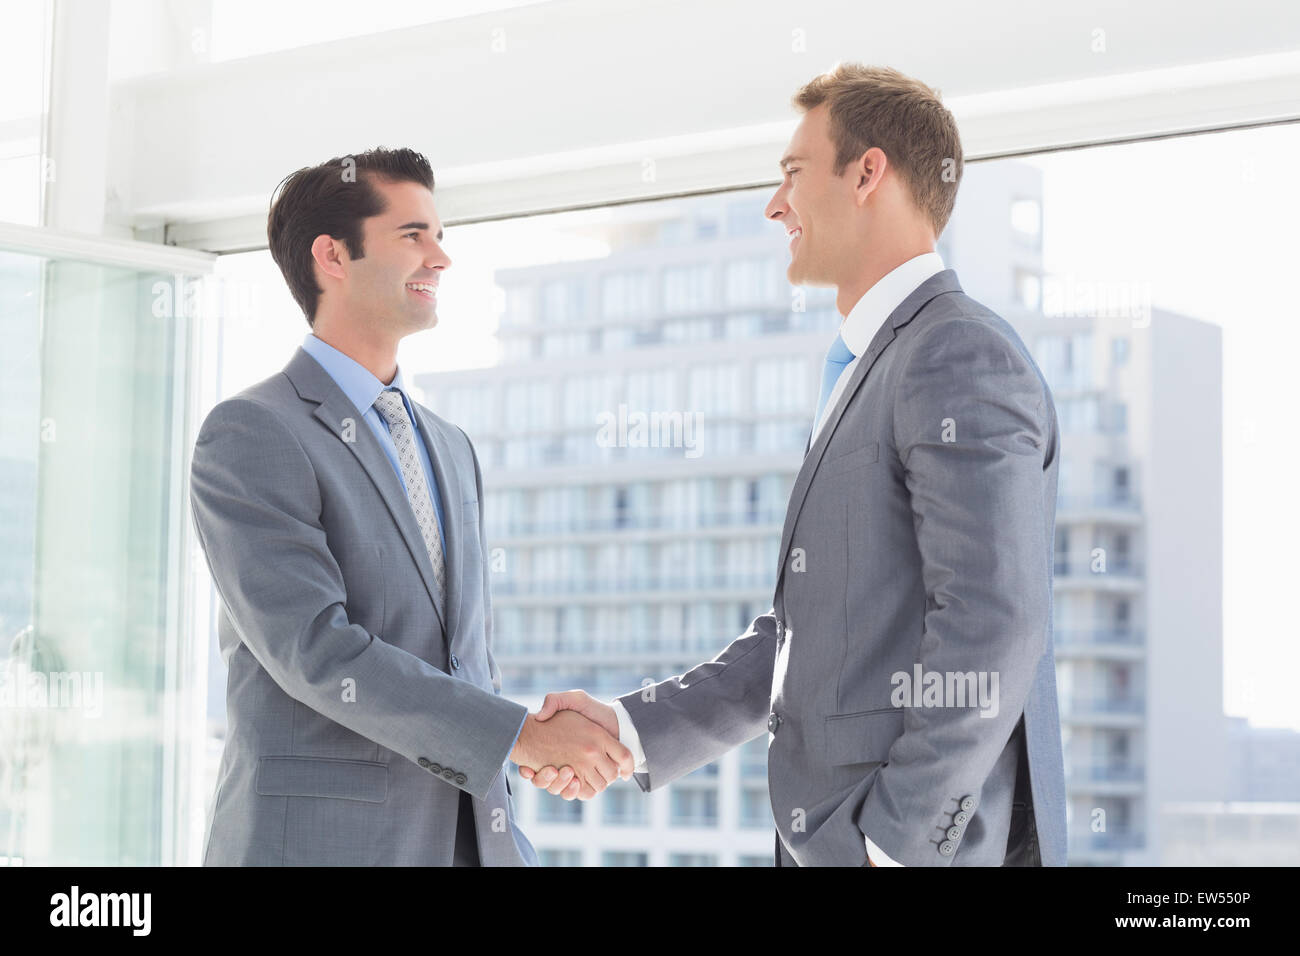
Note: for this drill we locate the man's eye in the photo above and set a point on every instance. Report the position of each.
(792, 172)
(409, 234)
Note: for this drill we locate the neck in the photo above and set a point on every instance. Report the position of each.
(377, 355)
(874, 267)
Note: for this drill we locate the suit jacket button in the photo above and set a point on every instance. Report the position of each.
(423, 762)
(455, 663)
(435, 768)
(773, 722)
(461, 778)
(448, 773)
(968, 803)
(961, 818)
(954, 833)
(947, 847)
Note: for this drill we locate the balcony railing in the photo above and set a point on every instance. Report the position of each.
(1101, 842)
(628, 645)
(1081, 565)
(639, 521)
(1074, 637)
(1109, 501)
(1104, 773)
(1103, 705)
(623, 584)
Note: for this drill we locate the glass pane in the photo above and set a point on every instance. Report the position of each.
(24, 67)
(1164, 367)
(96, 761)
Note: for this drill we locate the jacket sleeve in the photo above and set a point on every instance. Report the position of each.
(972, 428)
(256, 506)
(494, 671)
(685, 722)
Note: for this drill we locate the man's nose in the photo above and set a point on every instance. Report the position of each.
(776, 206)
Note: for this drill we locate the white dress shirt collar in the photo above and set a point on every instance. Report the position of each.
(865, 318)
(871, 312)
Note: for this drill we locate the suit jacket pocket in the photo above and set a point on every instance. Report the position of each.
(862, 737)
(365, 780)
(856, 458)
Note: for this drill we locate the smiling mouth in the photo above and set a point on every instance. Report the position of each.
(794, 235)
(425, 290)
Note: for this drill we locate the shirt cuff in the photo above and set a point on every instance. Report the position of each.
(875, 853)
(628, 737)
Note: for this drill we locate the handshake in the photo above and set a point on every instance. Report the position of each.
(570, 747)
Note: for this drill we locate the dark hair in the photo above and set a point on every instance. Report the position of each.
(332, 199)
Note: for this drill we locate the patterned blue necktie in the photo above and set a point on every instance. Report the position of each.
(837, 359)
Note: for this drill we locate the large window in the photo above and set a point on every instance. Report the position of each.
(628, 555)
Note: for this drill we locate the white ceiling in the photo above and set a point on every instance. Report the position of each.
(564, 102)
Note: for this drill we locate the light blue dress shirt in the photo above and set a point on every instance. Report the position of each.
(362, 388)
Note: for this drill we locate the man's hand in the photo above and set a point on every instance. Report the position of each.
(564, 782)
(577, 743)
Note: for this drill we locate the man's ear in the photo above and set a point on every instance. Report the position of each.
(328, 253)
(868, 171)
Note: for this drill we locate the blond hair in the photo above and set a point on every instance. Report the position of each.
(879, 106)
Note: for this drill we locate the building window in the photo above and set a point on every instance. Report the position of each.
(1120, 484)
(745, 218)
(688, 288)
(563, 301)
(1119, 347)
(528, 407)
(1029, 290)
(1027, 218)
(750, 282)
(781, 385)
(550, 857)
(624, 858)
(625, 806)
(694, 808)
(625, 295)
(715, 389)
(756, 807)
(553, 809)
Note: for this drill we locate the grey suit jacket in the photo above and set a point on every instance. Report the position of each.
(919, 532)
(358, 706)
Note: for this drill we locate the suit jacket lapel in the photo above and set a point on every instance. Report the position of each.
(937, 284)
(334, 410)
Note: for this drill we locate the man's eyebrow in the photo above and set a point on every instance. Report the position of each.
(787, 160)
(418, 225)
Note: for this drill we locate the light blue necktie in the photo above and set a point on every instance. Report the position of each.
(837, 359)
